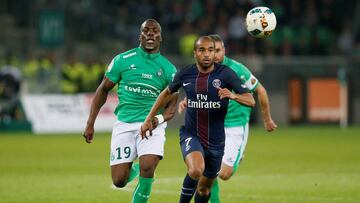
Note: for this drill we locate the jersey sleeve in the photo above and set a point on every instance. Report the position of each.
(176, 83)
(235, 83)
(249, 80)
(170, 73)
(114, 70)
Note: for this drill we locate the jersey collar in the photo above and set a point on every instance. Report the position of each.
(147, 55)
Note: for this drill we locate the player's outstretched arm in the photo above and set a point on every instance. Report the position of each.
(168, 113)
(97, 102)
(245, 99)
(160, 102)
(263, 98)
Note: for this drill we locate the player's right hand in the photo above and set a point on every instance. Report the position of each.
(270, 125)
(225, 93)
(146, 129)
(89, 134)
(182, 105)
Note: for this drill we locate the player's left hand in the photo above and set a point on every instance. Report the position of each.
(146, 129)
(225, 93)
(270, 125)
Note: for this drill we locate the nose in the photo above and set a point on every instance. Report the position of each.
(207, 54)
(150, 32)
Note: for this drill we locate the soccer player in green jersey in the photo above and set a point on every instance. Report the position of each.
(141, 74)
(237, 117)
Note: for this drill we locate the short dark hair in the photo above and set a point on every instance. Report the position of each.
(150, 19)
(217, 38)
(201, 38)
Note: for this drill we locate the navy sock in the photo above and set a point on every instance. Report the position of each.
(201, 199)
(188, 189)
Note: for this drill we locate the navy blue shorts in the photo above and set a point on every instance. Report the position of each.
(212, 157)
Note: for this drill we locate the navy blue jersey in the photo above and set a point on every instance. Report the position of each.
(205, 113)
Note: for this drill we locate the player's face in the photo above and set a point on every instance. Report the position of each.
(219, 52)
(150, 36)
(205, 53)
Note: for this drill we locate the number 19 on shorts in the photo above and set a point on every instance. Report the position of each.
(121, 153)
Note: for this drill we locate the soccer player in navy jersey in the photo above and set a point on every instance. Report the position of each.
(202, 138)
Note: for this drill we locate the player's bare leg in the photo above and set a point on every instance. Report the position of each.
(148, 164)
(203, 189)
(225, 172)
(120, 174)
(195, 164)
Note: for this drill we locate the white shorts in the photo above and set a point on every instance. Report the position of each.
(235, 143)
(127, 145)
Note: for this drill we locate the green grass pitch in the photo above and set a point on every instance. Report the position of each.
(309, 164)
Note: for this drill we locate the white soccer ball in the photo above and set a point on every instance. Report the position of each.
(260, 22)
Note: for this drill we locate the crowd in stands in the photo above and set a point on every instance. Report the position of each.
(44, 75)
(305, 27)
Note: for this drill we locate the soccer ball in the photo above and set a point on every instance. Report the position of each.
(260, 22)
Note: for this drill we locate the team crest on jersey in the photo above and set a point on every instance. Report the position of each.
(159, 73)
(216, 83)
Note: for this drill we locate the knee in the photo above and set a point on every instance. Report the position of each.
(147, 170)
(120, 183)
(225, 175)
(196, 173)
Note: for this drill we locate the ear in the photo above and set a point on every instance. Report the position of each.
(160, 38)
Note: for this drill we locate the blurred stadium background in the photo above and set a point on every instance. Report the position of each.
(53, 55)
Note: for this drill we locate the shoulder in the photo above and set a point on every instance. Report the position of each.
(234, 64)
(127, 54)
(125, 58)
(166, 63)
(239, 68)
(223, 69)
(190, 69)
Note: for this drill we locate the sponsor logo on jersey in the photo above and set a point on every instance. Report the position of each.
(146, 75)
(203, 103)
(216, 83)
(129, 55)
(143, 89)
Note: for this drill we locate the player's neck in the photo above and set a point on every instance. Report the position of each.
(150, 51)
(205, 70)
